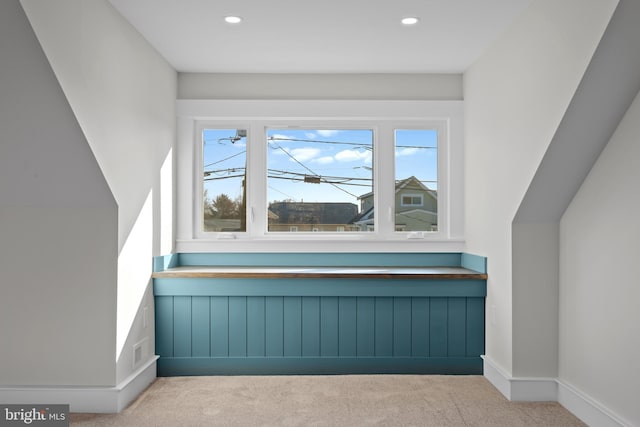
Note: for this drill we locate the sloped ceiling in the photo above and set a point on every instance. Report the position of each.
(609, 86)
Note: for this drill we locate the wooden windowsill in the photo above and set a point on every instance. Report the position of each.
(423, 273)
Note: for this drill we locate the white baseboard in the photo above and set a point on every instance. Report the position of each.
(496, 376)
(520, 389)
(550, 390)
(534, 390)
(85, 399)
(586, 408)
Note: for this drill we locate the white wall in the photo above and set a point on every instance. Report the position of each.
(515, 96)
(535, 264)
(599, 292)
(320, 86)
(123, 95)
(58, 225)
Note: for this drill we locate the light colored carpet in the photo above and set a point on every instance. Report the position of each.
(341, 400)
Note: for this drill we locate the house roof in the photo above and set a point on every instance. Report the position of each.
(411, 182)
(406, 183)
(323, 212)
(364, 215)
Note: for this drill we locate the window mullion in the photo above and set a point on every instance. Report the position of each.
(384, 180)
(257, 186)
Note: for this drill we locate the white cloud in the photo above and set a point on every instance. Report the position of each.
(326, 133)
(353, 156)
(304, 154)
(311, 135)
(324, 160)
(406, 151)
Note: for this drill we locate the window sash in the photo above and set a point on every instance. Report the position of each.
(257, 226)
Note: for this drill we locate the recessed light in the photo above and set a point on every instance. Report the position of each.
(410, 20)
(233, 19)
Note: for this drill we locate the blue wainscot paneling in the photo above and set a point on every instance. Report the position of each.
(213, 326)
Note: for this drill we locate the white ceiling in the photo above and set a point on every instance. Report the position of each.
(325, 36)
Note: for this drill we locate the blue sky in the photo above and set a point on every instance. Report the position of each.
(342, 158)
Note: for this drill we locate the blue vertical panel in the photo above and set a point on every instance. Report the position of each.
(329, 326)
(255, 326)
(365, 312)
(311, 326)
(237, 326)
(438, 327)
(181, 326)
(402, 327)
(420, 327)
(164, 326)
(200, 323)
(456, 327)
(274, 324)
(475, 327)
(292, 313)
(347, 326)
(384, 327)
(219, 326)
(322, 259)
(473, 262)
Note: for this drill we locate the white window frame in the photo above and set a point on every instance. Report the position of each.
(383, 117)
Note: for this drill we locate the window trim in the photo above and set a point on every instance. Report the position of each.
(246, 114)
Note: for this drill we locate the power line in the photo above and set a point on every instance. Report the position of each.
(363, 145)
(281, 192)
(226, 158)
(309, 140)
(215, 178)
(297, 176)
(310, 170)
(322, 176)
(321, 181)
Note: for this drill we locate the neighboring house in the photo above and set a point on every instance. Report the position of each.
(301, 216)
(212, 224)
(222, 224)
(416, 207)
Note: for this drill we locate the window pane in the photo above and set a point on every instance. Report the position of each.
(224, 153)
(416, 206)
(320, 180)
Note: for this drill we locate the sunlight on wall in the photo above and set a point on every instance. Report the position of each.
(134, 271)
(166, 204)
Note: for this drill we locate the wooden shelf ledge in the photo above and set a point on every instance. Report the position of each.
(428, 273)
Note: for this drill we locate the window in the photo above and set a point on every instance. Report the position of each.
(224, 157)
(313, 171)
(316, 178)
(319, 180)
(416, 169)
(411, 200)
